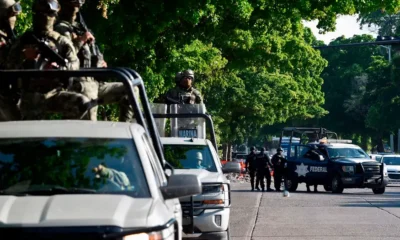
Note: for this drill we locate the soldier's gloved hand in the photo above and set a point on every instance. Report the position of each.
(87, 37)
(52, 65)
(31, 53)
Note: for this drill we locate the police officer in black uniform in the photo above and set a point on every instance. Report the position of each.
(250, 166)
(278, 162)
(263, 162)
(313, 155)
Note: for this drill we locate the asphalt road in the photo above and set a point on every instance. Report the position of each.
(355, 214)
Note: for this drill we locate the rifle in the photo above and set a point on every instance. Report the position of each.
(97, 56)
(173, 101)
(45, 50)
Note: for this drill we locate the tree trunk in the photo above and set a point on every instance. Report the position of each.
(380, 143)
(224, 151)
(229, 157)
(364, 141)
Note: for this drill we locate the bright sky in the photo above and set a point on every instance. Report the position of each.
(345, 25)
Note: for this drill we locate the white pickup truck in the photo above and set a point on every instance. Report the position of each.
(205, 215)
(77, 179)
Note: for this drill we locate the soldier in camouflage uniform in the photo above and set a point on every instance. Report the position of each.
(184, 93)
(9, 10)
(41, 96)
(105, 92)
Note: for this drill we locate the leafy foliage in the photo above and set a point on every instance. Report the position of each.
(253, 59)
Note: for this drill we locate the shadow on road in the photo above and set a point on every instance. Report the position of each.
(393, 203)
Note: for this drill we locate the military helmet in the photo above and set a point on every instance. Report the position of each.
(252, 148)
(46, 6)
(9, 7)
(188, 73)
(75, 2)
(279, 149)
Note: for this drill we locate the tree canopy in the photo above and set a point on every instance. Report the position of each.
(253, 59)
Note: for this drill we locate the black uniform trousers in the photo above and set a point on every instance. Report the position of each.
(261, 174)
(252, 173)
(279, 176)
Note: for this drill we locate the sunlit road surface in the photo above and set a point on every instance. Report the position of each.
(355, 214)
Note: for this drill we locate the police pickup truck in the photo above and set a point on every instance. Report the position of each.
(79, 179)
(205, 215)
(335, 164)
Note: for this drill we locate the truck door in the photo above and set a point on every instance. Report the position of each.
(311, 165)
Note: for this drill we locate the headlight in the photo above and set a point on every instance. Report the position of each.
(160, 235)
(385, 170)
(213, 188)
(144, 236)
(349, 169)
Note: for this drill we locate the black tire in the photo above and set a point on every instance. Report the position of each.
(337, 185)
(379, 190)
(328, 188)
(228, 234)
(292, 184)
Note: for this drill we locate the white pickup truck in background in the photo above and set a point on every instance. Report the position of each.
(205, 215)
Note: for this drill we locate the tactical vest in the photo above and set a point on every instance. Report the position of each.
(181, 96)
(43, 85)
(84, 53)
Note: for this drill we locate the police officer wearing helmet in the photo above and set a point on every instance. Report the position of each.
(9, 94)
(263, 162)
(105, 92)
(251, 165)
(278, 162)
(41, 96)
(184, 92)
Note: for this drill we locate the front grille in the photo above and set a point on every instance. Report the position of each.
(186, 206)
(394, 176)
(374, 169)
(359, 169)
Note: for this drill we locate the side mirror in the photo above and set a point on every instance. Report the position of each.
(231, 167)
(181, 185)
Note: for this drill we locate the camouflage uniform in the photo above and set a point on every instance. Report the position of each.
(40, 96)
(118, 178)
(104, 92)
(8, 92)
(182, 95)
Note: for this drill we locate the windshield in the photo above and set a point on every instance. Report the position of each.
(95, 165)
(190, 157)
(347, 153)
(391, 160)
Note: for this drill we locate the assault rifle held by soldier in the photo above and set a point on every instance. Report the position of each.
(46, 52)
(96, 55)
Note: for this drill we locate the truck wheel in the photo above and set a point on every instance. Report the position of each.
(228, 234)
(292, 185)
(337, 186)
(379, 190)
(328, 188)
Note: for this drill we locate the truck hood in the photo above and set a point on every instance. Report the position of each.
(76, 210)
(393, 168)
(203, 175)
(355, 160)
